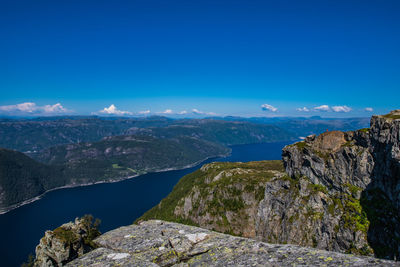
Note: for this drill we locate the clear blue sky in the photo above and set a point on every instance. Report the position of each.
(227, 57)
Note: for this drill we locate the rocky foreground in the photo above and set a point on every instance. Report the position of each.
(160, 243)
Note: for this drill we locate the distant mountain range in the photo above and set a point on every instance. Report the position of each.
(36, 134)
(301, 126)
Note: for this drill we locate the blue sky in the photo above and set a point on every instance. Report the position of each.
(222, 57)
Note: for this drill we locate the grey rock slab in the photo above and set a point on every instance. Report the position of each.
(160, 243)
(103, 257)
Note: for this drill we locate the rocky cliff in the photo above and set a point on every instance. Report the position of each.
(365, 164)
(67, 242)
(337, 191)
(159, 243)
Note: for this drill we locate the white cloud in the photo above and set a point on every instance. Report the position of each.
(198, 112)
(341, 109)
(144, 112)
(303, 109)
(56, 108)
(23, 107)
(167, 111)
(323, 108)
(30, 108)
(369, 109)
(267, 107)
(183, 112)
(112, 110)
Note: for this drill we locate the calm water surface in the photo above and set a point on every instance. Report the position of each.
(116, 204)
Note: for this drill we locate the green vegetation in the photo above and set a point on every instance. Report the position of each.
(116, 166)
(92, 228)
(391, 116)
(365, 250)
(348, 144)
(313, 215)
(324, 155)
(355, 217)
(226, 191)
(69, 236)
(318, 188)
(132, 170)
(364, 130)
(354, 190)
(301, 145)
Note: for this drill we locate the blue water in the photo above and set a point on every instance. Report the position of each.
(116, 204)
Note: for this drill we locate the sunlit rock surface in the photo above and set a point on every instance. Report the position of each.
(160, 243)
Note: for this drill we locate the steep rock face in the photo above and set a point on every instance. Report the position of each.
(220, 196)
(382, 195)
(300, 212)
(367, 160)
(158, 243)
(66, 243)
(385, 138)
(330, 161)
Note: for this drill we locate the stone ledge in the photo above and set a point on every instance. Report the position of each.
(160, 243)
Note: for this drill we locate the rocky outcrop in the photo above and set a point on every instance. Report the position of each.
(66, 242)
(159, 243)
(259, 200)
(300, 212)
(220, 196)
(366, 161)
(332, 159)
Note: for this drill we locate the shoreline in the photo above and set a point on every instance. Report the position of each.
(115, 180)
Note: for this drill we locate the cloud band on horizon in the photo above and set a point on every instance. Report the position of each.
(32, 109)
